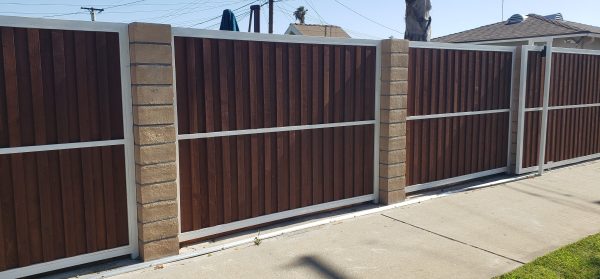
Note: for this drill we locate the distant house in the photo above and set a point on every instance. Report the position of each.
(317, 30)
(530, 30)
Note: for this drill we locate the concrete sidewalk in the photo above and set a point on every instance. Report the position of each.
(475, 234)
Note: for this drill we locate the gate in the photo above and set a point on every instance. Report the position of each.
(271, 127)
(458, 124)
(67, 192)
(559, 109)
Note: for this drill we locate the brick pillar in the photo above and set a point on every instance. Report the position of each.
(514, 111)
(392, 139)
(154, 136)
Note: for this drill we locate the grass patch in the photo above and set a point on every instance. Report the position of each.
(579, 260)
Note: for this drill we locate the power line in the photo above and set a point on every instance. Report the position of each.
(126, 4)
(65, 14)
(316, 12)
(392, 29)
(219, 16)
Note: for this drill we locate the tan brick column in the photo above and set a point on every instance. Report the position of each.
(392, 140)
(154, 136)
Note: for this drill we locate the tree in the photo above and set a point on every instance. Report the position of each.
(418, 20)
(300, 13)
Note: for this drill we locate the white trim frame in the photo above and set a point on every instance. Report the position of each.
(132, 247)
(377, 132)
(187, 236)
(455, 114)
(521, 108)
(461, 46)
(258, 37)
(511, 108)
(199, 33)
(564, 107)
(64, 263)
(60, 146)
(272, 130)
(576, 51)
(454, 180)
(546, 101)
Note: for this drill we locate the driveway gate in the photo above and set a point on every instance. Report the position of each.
(272, 127)
(459, 100)
(559, 110)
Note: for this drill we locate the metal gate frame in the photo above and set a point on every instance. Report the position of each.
(545, 108)
(473, 47)
(210, 34)
(127, 142)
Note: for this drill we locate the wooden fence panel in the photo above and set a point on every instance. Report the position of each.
(229, 85)
(445, 81)
(59, 87)
(217, 80)
(50, 208)
(246, 202)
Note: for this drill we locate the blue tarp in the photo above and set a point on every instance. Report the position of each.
(228, 21)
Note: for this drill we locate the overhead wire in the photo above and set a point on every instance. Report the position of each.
(219, 16)
(315, 10)
(185, 22)
(367, 18)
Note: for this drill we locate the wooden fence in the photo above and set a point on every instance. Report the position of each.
(573, 129)
(62, 156)
(268, 127)
(458, 112)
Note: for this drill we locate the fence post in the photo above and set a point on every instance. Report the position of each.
(393, 104)
(154, 137)
(514, 108)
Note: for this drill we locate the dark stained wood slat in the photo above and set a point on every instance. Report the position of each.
(306, 119)
(328, 113)
(348, 97)
(317, 117)
(295, 155)
(338, 116)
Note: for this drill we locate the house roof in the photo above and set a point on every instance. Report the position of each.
(533, 26)
(317, 30)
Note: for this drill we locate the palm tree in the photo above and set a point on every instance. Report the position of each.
(300, 13)
(418, 20)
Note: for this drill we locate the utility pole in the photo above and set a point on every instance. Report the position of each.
(92, 11)
(270, 16)
(502, 10)
(256, 10)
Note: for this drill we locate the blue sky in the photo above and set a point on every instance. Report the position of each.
(371, 19)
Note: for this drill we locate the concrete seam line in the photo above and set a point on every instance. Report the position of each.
(325, 221)
(452, 239)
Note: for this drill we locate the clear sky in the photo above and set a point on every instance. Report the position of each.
(370, 19)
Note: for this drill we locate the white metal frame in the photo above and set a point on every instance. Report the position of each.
(132, 248)
(545, 108)
(472, 47)
(211, 34)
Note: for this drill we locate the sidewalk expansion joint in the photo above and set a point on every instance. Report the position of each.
(453, 239)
